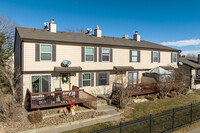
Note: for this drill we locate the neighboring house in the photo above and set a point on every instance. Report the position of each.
(96, 61)
(191, 66)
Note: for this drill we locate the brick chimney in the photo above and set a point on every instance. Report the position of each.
(98, 32)
(136, 37)
(52, 26)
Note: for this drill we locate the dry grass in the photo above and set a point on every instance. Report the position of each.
(151, 107)
(188, 128)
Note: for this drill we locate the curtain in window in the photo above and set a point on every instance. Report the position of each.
(36, 84)
(41, 83)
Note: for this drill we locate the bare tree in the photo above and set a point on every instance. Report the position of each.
(14, 98)
(7, 29)
(191, 55)
(78, 30)
(177, 82)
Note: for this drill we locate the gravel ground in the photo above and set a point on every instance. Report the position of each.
(20, 121)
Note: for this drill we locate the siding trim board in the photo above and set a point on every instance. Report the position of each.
(93, 45)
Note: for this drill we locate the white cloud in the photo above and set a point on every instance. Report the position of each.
(194, 52)
(182, 43)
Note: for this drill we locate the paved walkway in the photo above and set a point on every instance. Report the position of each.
(197, 130)
(112, 115)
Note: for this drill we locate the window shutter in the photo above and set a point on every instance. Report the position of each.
(171, 57)
(80, 80)
(37, 52)
(130, 56)
(97, 78)
(108, 78)
(151, 56)
(159, 57)
(100, 52)
(111, 55)
(92, 78)
(83, 54)
(53, 52)
(138, 57)
(95, 54)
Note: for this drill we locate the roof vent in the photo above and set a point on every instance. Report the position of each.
(125, 36)
(136, 37)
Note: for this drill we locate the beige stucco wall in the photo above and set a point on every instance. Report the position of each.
(194, 86)
(73, 53)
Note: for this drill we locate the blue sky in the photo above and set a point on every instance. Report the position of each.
(175, 23)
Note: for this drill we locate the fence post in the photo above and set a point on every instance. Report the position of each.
(150, 121)
(120, 127)
(191, 114)
(173, 119)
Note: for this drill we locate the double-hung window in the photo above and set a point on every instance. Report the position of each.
(41, 83)
(105, 54)
(132, 77)
(89, 54)
(174, 57)
(86, 78)
(155, 56)
(45, 52)
(103, 78)
(134, 56)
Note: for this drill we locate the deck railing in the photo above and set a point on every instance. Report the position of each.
(137, 89)
(61, 98)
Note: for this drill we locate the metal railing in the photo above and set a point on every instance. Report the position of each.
(159, 123)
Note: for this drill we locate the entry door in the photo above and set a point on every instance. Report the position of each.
(132, 77)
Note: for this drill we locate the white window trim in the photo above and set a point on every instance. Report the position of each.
(106, 79)
(86, 79)
(102, 55)
(134, 72)
(45, 52)
(173, 57)
(153, 57)
(134, 56)
(41, 80)
(89, 54)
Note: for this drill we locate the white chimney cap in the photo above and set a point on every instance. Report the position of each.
(97, 27)
(52, 21)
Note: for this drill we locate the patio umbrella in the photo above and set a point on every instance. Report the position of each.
(159, 70)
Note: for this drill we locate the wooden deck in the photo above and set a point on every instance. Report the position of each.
(61, 98)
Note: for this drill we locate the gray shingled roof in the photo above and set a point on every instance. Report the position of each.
(69, 37)
(189, 63)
